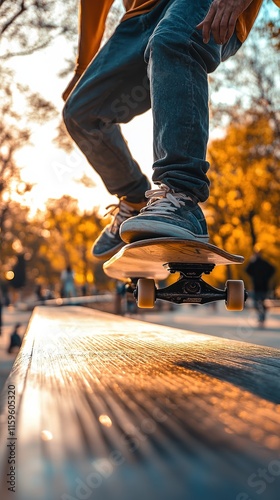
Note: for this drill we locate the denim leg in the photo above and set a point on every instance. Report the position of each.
(178, 63)
(113, 90)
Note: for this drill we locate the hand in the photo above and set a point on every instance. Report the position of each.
(70, 86)
(221, 19)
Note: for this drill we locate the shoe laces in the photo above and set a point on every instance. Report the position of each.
(165, 199)
(120, 212)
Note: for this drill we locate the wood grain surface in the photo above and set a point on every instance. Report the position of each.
(109, 408)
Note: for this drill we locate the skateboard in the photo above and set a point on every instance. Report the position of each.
(143, 263)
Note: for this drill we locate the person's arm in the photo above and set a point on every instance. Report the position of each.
(92, 19)
(221, 19)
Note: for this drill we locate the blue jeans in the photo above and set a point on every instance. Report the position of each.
(155, 60)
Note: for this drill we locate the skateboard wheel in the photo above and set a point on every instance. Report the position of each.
(235, 295)
(146, 293)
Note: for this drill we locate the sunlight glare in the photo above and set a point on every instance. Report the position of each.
(105, 420)
(46, 435)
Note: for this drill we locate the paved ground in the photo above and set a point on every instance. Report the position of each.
(202, 319)
(217, 321)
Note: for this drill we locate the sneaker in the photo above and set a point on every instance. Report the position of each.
(109, 241)
(167, 214)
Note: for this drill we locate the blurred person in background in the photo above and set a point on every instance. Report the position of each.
(68, 288)
(260, 272)
(15, 340)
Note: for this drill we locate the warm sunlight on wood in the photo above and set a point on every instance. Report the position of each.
(105, 420)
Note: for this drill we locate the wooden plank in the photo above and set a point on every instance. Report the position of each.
(109, 408)
(67, 301)
(83, 300)
(147, 259)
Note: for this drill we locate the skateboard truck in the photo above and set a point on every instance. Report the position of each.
(190, 288)
(145, 262)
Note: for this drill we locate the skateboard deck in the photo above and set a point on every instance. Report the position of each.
(149, 258)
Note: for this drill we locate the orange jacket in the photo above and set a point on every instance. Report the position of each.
(93, 15)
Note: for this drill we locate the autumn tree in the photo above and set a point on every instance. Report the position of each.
(52, 239)
(25, 26)
(14, 134)
(68, 236)
(19, 238)
(245, 194)
(244, 151)
(249, 80)
(30, 25)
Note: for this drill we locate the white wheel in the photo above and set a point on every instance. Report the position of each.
(146, 293)
(235, 295)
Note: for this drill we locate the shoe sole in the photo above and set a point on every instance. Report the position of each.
(108, 254)
(130, 234)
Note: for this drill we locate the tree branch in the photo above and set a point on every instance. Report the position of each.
(8, 23)
(27, 52)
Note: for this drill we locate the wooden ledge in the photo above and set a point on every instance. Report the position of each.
(109, 408)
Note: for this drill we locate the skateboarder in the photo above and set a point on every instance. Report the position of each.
(158, 57)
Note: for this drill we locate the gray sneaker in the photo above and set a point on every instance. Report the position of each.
(168, 213)
(109, 241)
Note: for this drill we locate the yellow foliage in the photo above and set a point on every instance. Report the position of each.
(244, 204)
(68, 235)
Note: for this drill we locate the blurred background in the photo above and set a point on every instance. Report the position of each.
(52, 203)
